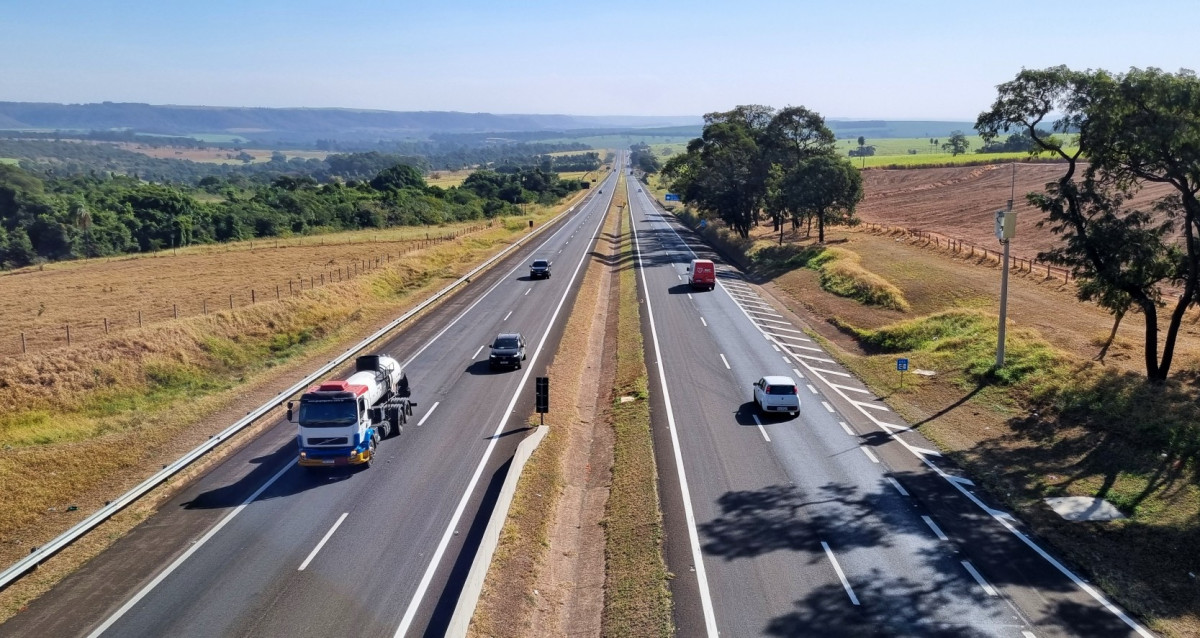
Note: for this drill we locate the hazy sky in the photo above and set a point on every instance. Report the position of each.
(865, 59)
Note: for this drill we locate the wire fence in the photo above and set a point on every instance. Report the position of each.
(37, 338)
(969, 250)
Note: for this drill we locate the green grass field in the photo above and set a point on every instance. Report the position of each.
(10, 160)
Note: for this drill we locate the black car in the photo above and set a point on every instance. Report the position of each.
(508, 350)
(539, 269)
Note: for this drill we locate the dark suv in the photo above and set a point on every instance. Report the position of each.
(539, 269)
(508, 350)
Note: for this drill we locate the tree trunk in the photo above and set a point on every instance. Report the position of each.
(1111, 337)
(821, 227)
(1151, 339)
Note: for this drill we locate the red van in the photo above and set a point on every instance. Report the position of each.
(702, 274)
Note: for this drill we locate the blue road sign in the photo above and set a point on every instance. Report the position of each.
(902, 364)
(671, 197)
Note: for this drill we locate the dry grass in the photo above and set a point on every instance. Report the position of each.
(446, 179)
(1052, 422)
(92, 420)
(637, 599)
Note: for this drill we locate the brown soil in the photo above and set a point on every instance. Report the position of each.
(961, 202)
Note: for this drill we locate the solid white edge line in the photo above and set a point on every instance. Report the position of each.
(828, 407)
(324, 539)
(937, 531)
(840, 574)
(761, 428)
(846, 428)
(477, 353)
(870, 454)
(991, 591)
(726, 362)
(428, 412)
(710, 620)
(184, 556)
(896, 484)
(427, 578)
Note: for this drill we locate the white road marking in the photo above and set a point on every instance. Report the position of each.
(798, 373)
(703, 322)
(811, 388)
(991, 591)
(761, 428)
(809, 356)
(527, 291)
(891, 427)
(429, 412)
(846, 428)
(427, 578)
(840, 374)
(785, 359)
(324, 540)
(870, 455)
(896, 484)
(477, 353)
(873, 406)
(775, 347)
(765, 320)
(680, 277)
(689, 295)
(710, 619)
(960, 479)
(183, 557)
(851, 388)
(811, 349)
(726, 362)
(799, 332)
(840, 574)
(765, 312)
(1028, 634)
(828, 408)
(924, 451)
(937, 531)
(507, 316)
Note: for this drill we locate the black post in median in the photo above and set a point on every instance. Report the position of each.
(542, 397)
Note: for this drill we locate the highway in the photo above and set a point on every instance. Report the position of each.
(839, 522)
(262, 547)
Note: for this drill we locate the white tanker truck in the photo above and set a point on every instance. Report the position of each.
(342, 422)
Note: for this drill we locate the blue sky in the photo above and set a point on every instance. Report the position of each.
(866, 59)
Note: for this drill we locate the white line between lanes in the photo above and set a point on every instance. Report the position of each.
(896, 484)
(846, 428)
(811, 388)
(726, 362)
(703, 322)
(528, 291)
(761, 428)
(937, 531)
(507, 316)
(710, 619)
(324, 539)
(870, 455)
(477, 353)
(840, 574)
(828, 408)
(991, 591)
(798, 373)
(428, 412)
(191, 550)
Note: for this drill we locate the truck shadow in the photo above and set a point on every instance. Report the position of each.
(295, 480)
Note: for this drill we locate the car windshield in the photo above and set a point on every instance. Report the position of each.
(505, 342)
(540, 263)
(328, 414)
(781, 389)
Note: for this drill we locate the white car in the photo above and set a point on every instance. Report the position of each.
(777, 394)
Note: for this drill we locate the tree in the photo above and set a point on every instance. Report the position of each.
(826, 187)
(1143, 126)
(398, 176)
(958, 143)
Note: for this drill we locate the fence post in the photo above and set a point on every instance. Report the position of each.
(290, 291)
(310, 283)
(276, 292)
(22, 343)
(253, 299)
(231, 302)
(175, 307)
(139, 318)
(68, 334)
(204, 306)
(106, 325)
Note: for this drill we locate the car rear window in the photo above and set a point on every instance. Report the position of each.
(781, 389)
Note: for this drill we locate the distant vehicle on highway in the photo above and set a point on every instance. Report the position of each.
(508, 350)
(539, 269)
(777, 394)
(702, 274)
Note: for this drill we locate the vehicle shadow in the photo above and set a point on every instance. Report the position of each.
(680, 289)
(746, 412)
(484, 368)
(295, 480)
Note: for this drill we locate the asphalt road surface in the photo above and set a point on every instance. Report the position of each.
(262, 547)
(838, 522)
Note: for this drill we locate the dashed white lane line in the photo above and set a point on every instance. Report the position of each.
(870, 454)
(873, 406)
(798, 373)
(527, 291)
(324, 540)
(703, 322)
(775, 347)
(811, 388)
(838, 373)
(477, 353)
(991, 591)
(726, 362)
(680, 277)
(828, 408)
(507, 316)
(690, 296)
(896, 484)
(851, 388)
(846, 428)
(937, 531)
(431, 409)
(840, 574)
(1028, 634)
(761, 428)
(785, 359)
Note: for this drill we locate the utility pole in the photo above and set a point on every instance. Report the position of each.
(1006, 229)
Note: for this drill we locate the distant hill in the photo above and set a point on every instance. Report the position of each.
(297, 124)
(897, 128)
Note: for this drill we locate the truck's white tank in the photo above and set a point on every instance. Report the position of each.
(376, 388)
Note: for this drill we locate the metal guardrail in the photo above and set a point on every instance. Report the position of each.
(42, 553)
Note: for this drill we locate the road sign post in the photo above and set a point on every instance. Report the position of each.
(542, 397)
(902, 367)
